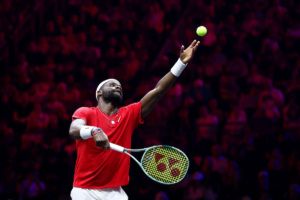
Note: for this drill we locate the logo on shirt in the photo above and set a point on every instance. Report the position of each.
(113, 122)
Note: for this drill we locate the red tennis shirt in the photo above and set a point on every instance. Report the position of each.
(96, 168)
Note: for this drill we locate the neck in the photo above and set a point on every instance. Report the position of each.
(107, 108)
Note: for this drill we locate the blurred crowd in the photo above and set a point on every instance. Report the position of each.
(235, 110)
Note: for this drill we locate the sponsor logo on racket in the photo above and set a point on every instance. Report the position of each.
(163, 163)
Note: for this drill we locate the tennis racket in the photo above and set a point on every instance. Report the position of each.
(161, 163)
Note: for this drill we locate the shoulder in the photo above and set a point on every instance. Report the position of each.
(133, 111)
(83, 112)
(85, 109)
(132, 106)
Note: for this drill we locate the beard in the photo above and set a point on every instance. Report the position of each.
(111, 97)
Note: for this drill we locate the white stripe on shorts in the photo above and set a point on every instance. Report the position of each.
(94, 194)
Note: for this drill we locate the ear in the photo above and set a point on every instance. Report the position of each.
(99, 93)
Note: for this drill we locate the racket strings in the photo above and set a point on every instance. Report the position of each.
(165, 164)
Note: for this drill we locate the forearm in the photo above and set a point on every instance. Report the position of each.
(79, 129)
(162, 86)
(82, 132)
(169, 79)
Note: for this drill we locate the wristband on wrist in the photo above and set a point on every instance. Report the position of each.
(86, 131)
(178, 68)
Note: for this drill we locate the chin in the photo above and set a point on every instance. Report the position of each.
(117, 100)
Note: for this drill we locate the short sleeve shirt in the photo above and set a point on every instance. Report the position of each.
(97, 168)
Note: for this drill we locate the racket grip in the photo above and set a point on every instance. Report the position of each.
(117, 147)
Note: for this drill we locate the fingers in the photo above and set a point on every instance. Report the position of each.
(100, 139)
(102, 144)
(181, 49)
(194, 43)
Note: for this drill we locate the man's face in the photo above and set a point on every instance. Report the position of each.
(112, 92)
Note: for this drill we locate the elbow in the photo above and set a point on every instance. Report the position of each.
(72, 133)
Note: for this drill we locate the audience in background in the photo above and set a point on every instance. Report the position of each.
(235, 110)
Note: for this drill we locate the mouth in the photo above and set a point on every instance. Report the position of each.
(119, 91)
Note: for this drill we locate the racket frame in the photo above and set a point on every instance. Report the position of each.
(127, 151)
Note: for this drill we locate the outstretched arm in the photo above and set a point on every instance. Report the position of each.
(152, 97)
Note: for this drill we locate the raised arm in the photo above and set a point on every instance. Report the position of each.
(162, 86)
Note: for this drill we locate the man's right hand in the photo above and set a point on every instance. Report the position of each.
(100, 138)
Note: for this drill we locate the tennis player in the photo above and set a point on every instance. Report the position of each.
(100, 173)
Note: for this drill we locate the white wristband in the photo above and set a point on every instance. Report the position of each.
(178, 68)
(86, 132)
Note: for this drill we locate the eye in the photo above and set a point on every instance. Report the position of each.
(115, 85)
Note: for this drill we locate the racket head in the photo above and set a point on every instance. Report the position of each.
(165, 164)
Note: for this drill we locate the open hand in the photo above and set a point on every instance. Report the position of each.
(187, 54)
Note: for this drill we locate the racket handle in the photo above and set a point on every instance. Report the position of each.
(117, 147)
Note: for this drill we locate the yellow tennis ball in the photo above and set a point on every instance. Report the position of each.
(201, 31)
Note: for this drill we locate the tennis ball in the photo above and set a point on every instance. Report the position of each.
(201, 31)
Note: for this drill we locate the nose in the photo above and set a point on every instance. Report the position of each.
(118, 87)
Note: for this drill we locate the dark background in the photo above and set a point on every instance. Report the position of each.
(234, 110)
